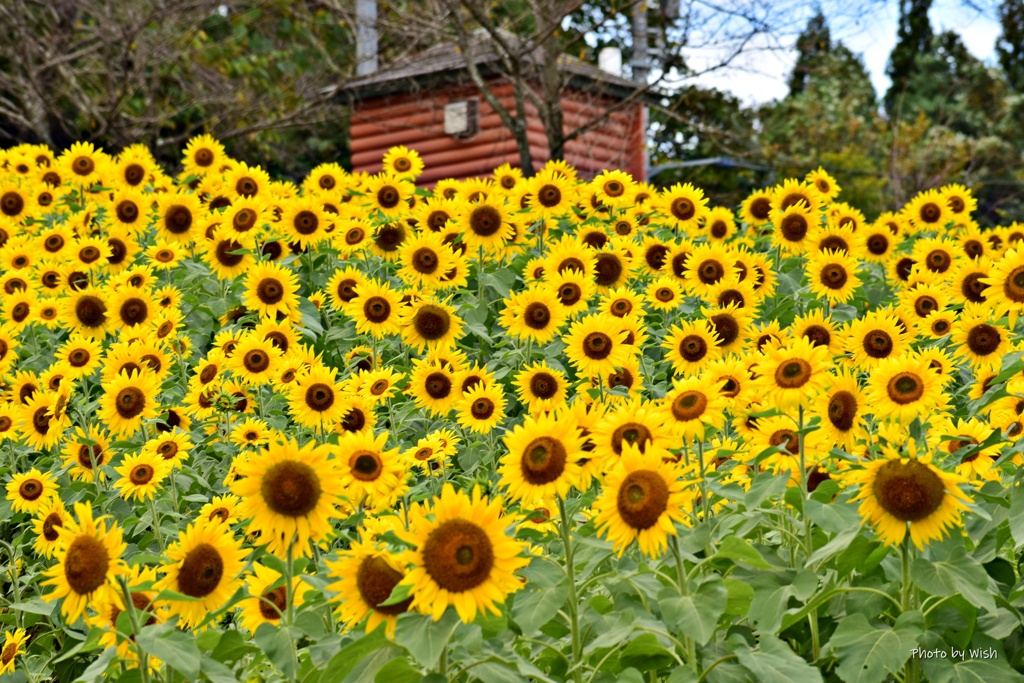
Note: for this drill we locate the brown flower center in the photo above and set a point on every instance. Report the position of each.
(842, 410)
(642, 499)
(376, 579)
(904, 388)
(458, 555)
(543, 460)
(290, 488)
(909, 491)
(85, 564)
(201, 571)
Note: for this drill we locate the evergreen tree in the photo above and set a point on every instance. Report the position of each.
(1010, 46)
(914, 39)
(811, 46)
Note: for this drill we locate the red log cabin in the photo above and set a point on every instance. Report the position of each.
(415, 104)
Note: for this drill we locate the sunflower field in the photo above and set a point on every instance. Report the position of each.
(505, 429)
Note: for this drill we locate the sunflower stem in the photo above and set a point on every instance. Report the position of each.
(133, 618)
(570, 573)
(156, 523)
(682, 580)
(812, 617)
(911, 671)
(480, 276)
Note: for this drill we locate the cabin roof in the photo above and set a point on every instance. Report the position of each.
(444, 64)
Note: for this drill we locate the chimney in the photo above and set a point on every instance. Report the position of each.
(366, 37)
(609, 60)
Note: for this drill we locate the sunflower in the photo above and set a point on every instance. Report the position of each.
(267, 602)
(693, 405)
(46, 526)
(682, 207)
(86, 311)
(141, 475)
(643, 497)
(8, 348)
(83, 164)
(365, 576)
(89, 561)
(368, 471)
(691, 345)
(128, 400)
(254, 360)
(542, 459)
(1005, 285)
(550, 194)
(225, 255)
(178, 216)
(377, 386)
(424, 259)
(732, 376)
(981, 340)
(793, 225)
(15, 202)
(290, 493)
(720, 223)
(388, 194)
(165, 255)
(596, 344)
(203, 154)
(896, 492)
(130, 308)
(793, 192)
(613, 266)
(791, 375)
(874, 338)
(573, 289)
(128, 210)
(343, 286)
(271, 289)
(707, 265)
(203, 564)
(430, 324)
(613, 187)
(540, 387)
(485, 224)
(304, 221)
(402, 162)
(634, 422)
(43, 418)
(927, 211)
(903, 388)
(315, 398)
(841, 408)
(85, 452)
(818, 329)
(14, 644)
(32, 491)
(481, 408)
(171, 447)
(825, 184)
(729, 324)
(833, 276)
(376, 309)
(462, 555)
(533, 313)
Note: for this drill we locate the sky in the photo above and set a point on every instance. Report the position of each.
(760, 75)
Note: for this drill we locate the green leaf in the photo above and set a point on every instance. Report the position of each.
(958, 574)
(399, 593)
(972, 670)
(740, 595)
(697, 614)
(346, 659)
(493, 671)
(774, 662)
(398, 670)
(276, 644)
(734, 548)
(177, 649)
(1016, 517)
(834, 517)
(645, 653)
(763, 487)
(772, 593)
(536, 605)
(425, 638)
(35, 606)
(98, 667)
(869, 653)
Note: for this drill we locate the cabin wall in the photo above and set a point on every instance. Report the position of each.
(416, 120)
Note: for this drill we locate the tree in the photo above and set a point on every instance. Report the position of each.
(914, 38)
(811, 46)
(1010, 46)
(251, 72)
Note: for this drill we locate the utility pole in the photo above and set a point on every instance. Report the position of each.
(639, 64)
(366, 37)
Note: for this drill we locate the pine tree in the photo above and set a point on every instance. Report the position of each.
(914, 39)
(1010, 46)
(811, 46)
